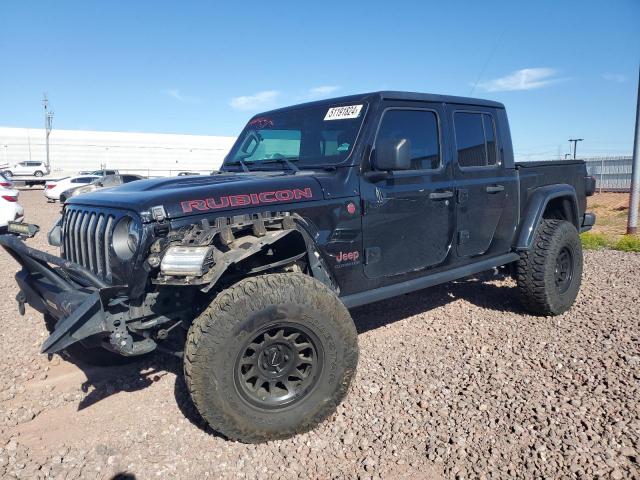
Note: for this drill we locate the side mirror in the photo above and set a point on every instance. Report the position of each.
(393, 154)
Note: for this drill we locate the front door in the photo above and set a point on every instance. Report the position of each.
(408, 221)
(483, 184)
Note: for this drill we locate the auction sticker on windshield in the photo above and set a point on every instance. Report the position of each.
(341, 113)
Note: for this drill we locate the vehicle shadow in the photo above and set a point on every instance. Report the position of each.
(103, 382)
(475, 290)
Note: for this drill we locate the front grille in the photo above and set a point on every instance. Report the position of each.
(86, 238)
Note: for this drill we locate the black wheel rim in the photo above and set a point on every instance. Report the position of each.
(279, 366)
(564, 269)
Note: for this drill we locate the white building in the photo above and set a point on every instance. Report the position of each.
(151, 154)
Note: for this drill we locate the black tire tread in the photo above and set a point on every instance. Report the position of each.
(535, 294)
(218, 317)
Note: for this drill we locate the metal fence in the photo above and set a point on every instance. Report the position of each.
(613, 174)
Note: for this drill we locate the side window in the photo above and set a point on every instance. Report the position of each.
(129, 178)
(475, 139)
(490, 138)
(420, 127)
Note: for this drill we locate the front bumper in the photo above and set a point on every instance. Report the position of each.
(85, 307)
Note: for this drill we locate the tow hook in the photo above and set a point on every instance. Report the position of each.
(21, 298)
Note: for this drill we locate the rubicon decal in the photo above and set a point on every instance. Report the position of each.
(246, 199)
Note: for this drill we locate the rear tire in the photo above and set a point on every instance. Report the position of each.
(38, 173)
(272, 356)
(96, 356)
(550, 272)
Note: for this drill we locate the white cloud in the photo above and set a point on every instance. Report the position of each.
(255, 102)
(524, 79)
(176, 94)
(615, 77)
(317, 92)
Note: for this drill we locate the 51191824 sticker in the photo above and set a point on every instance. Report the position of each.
(342, 113)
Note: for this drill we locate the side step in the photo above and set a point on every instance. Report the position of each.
(382, 293)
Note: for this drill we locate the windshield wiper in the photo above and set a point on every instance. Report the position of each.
(330, 168)
(284, 161)
(240, 162)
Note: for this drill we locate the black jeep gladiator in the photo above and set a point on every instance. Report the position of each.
(316, 209)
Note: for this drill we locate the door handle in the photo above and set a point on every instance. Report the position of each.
(495, 188)
(441, 195)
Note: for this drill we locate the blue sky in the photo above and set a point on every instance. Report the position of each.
(562, 68)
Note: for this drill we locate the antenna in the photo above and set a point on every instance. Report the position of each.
(486, 63)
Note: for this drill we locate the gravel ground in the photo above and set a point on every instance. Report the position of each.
(453, 382)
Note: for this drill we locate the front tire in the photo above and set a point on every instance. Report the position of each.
(7, 173)
(38, 173)
(550, 272)
(272, 356)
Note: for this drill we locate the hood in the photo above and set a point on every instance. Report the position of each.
(191, 195)
(85, 189)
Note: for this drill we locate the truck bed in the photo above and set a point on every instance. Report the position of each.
(553, 172)
(545, 163)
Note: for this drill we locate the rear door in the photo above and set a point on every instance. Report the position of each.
(484, 187)
(408, 219)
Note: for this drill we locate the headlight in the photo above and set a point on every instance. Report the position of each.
(55, 234)
(184, 261)
(126, 237)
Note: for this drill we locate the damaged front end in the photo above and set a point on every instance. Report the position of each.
(66, 291)
(86, 309)
(130, 307)
(209, 255)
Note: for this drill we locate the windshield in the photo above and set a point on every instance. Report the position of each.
(308, 136)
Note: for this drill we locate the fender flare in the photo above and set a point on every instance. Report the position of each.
(536, 206)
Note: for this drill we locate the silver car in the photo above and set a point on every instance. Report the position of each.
(106, 181)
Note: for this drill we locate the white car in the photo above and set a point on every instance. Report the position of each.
(53, 188)
(10, 209)
(6, 183)
(29, 168)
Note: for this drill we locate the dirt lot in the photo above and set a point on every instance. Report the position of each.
(611, 211)
(453, 382)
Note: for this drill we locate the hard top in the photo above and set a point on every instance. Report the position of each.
(397, 95)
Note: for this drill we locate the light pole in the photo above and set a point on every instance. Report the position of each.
(575, 145)
(6, 159)
(634, 197)
(48, 122)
